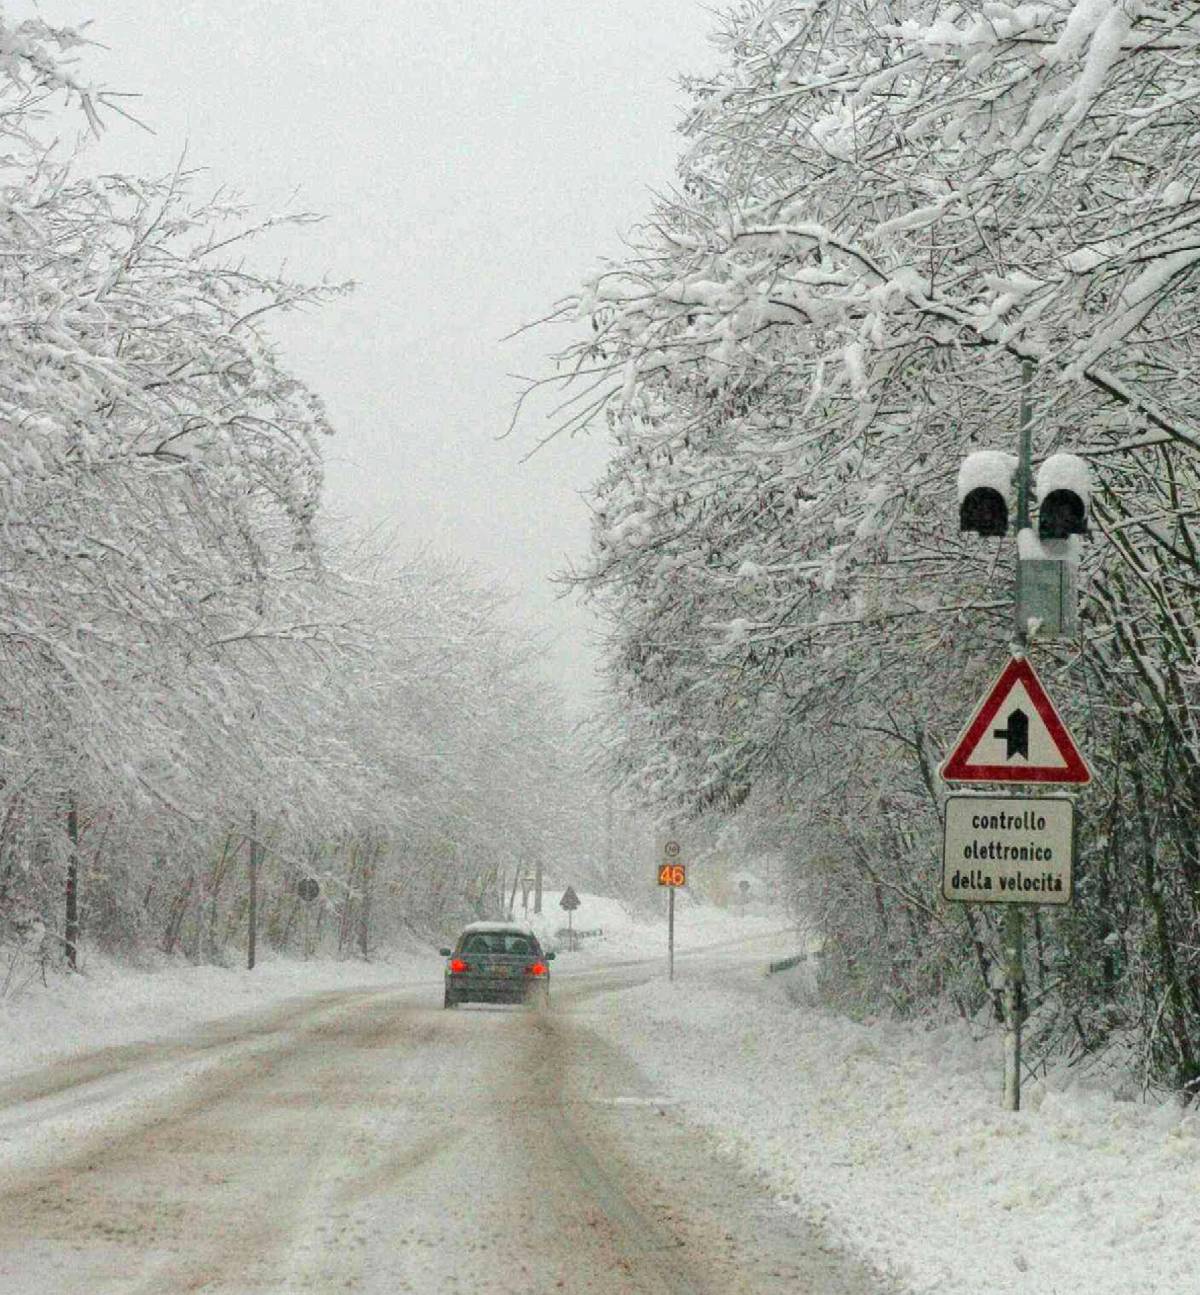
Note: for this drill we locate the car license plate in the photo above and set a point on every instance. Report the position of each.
(501, 971)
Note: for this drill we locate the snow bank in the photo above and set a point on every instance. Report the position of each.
(893, 1136)
(623, 936)
(111, 1003)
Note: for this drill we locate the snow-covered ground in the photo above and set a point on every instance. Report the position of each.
(891, 1135)
(112, 1004)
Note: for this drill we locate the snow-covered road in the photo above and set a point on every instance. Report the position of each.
(370, 1141)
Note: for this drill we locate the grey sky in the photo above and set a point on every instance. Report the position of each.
(474, 160)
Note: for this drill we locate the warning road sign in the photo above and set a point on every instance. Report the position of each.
(1016, 735)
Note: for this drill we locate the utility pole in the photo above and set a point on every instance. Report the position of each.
(71, 928)
(364, 912)
(252, 919)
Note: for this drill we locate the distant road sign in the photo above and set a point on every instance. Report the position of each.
(1016, 735)
(1008, 849)
(570, 900)
(671, 850)
(672, 874)
(308, 888)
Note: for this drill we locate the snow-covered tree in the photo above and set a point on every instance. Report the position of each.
(209, 694)
(887, 214)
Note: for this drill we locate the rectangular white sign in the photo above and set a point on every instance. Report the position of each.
(1008, 849)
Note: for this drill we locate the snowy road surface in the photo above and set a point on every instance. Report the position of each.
(374, 1142)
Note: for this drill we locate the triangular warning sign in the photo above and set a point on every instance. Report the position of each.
(1016, 735)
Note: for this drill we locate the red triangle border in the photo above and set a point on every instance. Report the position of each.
(1019, 670)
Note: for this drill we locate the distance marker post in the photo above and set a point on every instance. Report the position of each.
(672, 874)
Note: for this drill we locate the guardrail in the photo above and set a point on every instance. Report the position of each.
(566, 933)
(786, 964)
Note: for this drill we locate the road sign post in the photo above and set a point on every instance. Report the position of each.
(1014, 915)
(570, 902)
(672, 874)
(1018, 851)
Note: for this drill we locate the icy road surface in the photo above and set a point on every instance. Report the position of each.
(375, 1142)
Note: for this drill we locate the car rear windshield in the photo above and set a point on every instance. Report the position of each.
(517, 943)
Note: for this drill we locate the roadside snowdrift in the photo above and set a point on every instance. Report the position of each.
(893, 1136)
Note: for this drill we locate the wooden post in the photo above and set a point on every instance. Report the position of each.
(364, 909)
(252, 920)
(71, 927)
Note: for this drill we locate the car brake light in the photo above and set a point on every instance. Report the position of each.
(458, 966)
(538, 969)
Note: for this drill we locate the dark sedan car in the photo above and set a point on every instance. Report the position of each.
(497, 962)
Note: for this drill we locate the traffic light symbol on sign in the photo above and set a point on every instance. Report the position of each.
(672, 874)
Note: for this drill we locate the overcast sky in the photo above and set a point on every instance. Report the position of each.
(473, 160)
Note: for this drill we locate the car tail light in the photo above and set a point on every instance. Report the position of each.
(538, 969)
(458, 966)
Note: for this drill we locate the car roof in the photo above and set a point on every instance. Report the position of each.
(514, 927)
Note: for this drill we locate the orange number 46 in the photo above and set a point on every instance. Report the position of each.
(672, 874)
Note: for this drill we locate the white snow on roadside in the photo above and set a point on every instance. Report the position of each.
(621, 936)
(893, 1137)
(111, 1003)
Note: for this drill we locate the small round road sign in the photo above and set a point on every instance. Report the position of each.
(671, 849)
(308, 888)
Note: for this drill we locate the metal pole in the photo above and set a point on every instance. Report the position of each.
(1014, 917)
(1014, 940)
(1025, 460)
(671, 933)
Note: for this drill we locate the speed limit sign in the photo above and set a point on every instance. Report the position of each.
(671, 850)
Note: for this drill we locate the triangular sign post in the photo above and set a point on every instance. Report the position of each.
(1016, 735)
(570, 901)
